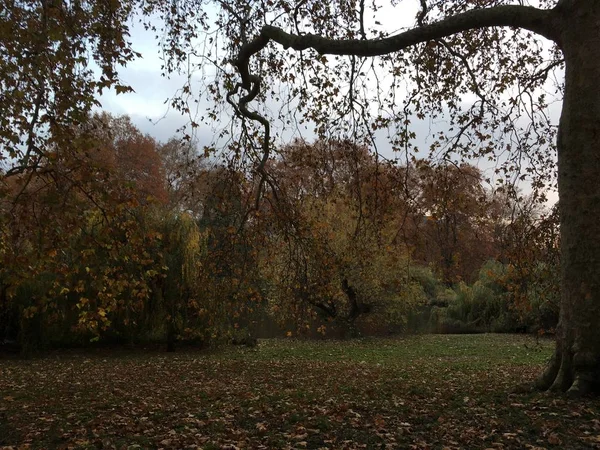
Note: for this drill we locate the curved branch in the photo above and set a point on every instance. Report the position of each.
(540, 21)
(537, 20)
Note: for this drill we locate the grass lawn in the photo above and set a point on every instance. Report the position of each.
(416, 392)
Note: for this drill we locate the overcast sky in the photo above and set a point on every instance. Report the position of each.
(148, 106)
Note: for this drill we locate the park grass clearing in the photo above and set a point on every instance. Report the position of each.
(433, 391)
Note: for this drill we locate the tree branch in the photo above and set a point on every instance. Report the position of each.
(363, 34)
(422, 13)
(540, 21)
(537, 20)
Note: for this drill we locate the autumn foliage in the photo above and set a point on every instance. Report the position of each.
(155, 242)
(93, 248)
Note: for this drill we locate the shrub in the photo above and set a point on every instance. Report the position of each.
(485, 306)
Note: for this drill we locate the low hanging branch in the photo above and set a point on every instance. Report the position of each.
(543, 22)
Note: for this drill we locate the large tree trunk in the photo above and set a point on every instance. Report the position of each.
(575, 366)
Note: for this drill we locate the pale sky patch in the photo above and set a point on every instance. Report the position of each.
(149, 106)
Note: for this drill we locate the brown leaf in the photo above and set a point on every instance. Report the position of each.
(554, 439)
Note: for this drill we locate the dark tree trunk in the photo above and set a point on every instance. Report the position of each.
(171, 338)
(575, 366)
(357, 308)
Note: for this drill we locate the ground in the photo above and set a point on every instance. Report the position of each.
(416, 392)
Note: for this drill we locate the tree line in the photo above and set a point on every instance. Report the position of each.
(118, 238)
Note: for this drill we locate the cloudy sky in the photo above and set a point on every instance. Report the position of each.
(146, 106)
(149, 109)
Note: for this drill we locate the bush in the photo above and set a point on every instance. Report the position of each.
(244, 337)
(485, 306)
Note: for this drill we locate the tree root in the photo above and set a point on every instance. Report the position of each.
(546, 379)
(561, 375)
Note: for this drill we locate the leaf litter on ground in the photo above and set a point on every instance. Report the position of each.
(419, 392)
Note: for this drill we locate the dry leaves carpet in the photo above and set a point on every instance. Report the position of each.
(417, 392)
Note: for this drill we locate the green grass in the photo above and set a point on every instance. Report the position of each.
(415, 392)
(484, 348)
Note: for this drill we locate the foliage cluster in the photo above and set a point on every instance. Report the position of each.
(373, 247)
(491, 305)
(153, 242)
(103, 248)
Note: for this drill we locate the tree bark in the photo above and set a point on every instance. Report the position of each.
(575, 366)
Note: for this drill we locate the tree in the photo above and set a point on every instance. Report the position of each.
(331, 244)
(118, 262)
(528, 240)
(187, 175)
(135, 157)
(48, 86)
(453, 224)
(455, 34)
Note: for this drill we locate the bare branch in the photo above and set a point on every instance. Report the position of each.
(534, 19)
(537, 20)
(540, 21)
(363, 35)
(422, 13)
